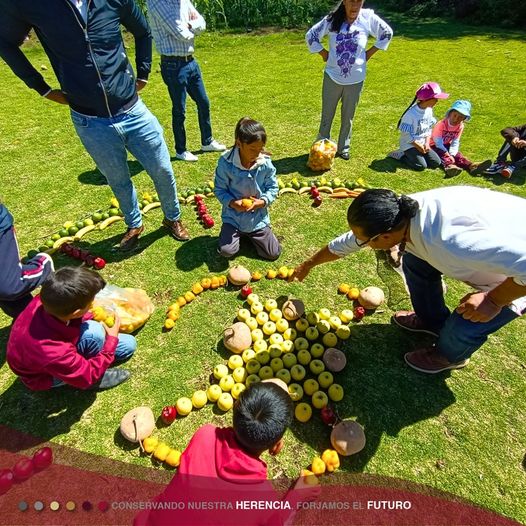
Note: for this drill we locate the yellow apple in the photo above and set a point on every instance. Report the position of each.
(346, 315)
(199, 399)
(227, 382)
(256, 307)
(276, 315)
(252, 298)
(271, 304)
(248, 354)
(183, 406)
(213, 392)
(260, 345)
(290, 334)
(298, 372)
(343, 332)
(252, 379)
(336, 392)
(220, 370)
(319, 399)
(303, 412)
(237, 390)
(252, 323)
(323, 326)
(243, 315)
(252, 366)
(239, 375)
(275, 350)
(266, 372)
(257, 334)
(225, 402)
(334, 322)
(295, 392)
(330, 339)
(275, 338)
(262, 318)
(235, 361)
(302, 325)
(284, 374)
(313, 318)
(325, 379)
(276, 364)
(281, 324)
(150, 443)
(263, 357)
(287, 346)
(317, 367)
(310, 386)
(269, 328)
(317, 350)
(325, 314)
(312, 333)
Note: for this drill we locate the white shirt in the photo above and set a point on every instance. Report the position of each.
(346, 63)
(416, 125)
(475, 235)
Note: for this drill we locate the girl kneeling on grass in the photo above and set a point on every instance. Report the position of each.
(415, 127)
(246, 185)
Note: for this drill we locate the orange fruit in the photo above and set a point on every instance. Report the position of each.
(222, 280)
(246, 203)
(344, 288)
(271, 273)
(175, 307)
(353, 293)
(181, 301)
(256, 276)
(197, 288)
(169, 324)
(189, 296)
(205, 283)
(318, 466)
(173, 315)
(214, 282)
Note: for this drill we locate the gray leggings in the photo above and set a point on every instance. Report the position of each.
(419, 161)
(331, 94)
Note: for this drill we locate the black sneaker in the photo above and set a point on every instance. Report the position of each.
(111, 378)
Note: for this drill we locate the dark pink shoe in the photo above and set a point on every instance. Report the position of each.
(429, 360)
(408, 320)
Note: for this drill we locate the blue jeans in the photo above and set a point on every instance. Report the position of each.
(183, 77)
(138, 131)
(458, 338)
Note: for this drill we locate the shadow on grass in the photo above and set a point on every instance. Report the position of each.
(95, 177)
(385, 165)
(198, 251)
(4, 336)
(381, 392)
(294, 165)
(41, 414)
(517, 179)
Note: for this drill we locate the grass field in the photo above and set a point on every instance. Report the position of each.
(470, 423)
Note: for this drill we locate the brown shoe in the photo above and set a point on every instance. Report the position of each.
(429, 360)
(408, 320)
(130, 239)
(452, 170)
(479, 168)
(177, 229)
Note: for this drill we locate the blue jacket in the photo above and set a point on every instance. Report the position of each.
(232, 181)
(6, 219)
(89, 60)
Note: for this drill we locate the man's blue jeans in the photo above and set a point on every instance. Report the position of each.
(138, 131)
(458, 338)
(183, 77)
(93, 336)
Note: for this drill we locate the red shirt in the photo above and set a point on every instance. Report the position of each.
(42, 347)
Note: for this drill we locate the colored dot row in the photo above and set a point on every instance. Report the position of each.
(70, 505)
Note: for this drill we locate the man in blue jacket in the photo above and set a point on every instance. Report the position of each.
(83, 41)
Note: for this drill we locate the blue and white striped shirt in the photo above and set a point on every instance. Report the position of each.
(174, 23)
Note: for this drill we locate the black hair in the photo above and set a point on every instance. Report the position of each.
(248, 131)
(262, 414)
(378, 210)
(70, 289)
(337, 17)
(405, 111)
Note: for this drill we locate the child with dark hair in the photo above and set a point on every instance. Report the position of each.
(55, 341)
(17, 279)
(514, 146)
(226, 464)
(246, 185)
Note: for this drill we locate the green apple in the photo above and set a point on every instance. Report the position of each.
(239, 375)
(336, 392)
(317, 367)
(298, 372)
(330, 339)
(263, 357)
(252, 323)
(301, 343)
(289, 359)
(269, 328)
(290, 334)
(220, 370)
(235, 361)
(287, 346)
(184, 406)
(295, 392)
(346, 315)
(343, 332)
(266, 372)
(276, 364)
(323, 326)
(325, 314)
(284, 374)
(270, 305)
(252, 379)
(260, 345)
(256, 307)
(243, 315)
(275, 338)
(312, 333)
(213, 392)
(304, 357)
(334, 322)
(317, 350)
(252, 298)
(199, 399)
(248, 354)
(253, 366)
(313, 318)
(319, 400)
(237, 390)
(257, 334)
(262, 318)
(310, 386)
(282, 324)
(275, 350)
(275, 315)
(227, 382)
(225, 402)
(303, 412)
(302, 325)
(325, 379)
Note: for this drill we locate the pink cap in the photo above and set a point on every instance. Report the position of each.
(430, 90)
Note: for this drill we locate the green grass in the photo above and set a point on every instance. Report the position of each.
(471, 420)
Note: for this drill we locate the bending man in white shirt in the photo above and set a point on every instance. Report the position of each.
(470, 234)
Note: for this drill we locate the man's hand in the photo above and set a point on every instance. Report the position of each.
(237, 205)
(56, 95)
(324, 55)
(300, 272)
(518, 143)
(478, 307)
(113, 331)
(139, 84)
(256, 203)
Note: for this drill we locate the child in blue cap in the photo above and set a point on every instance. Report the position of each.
(445, 141)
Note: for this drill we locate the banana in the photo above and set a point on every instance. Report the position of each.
(287, 191)
(189, 199)
(326, 189)
(359, 190)
(61, 241)
(83, 231)
(147, 208)
(114, 203)
(107, 222)
(304, 190)
(340, 189)
(211, 194)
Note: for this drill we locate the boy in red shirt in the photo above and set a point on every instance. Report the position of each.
(221, 467)
(55, 342)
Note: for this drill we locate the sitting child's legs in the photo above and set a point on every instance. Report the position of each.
(414, 159)
(266, 243)
(93, 336)
(462, 162)
(228, 240)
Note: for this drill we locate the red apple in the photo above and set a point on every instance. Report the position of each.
(314, 192)
(198, 199)
(316, 201)
(43, 458)
(75, 252)
(328, 416)
(168, 414)
(99, 263)
(23, 469)
(246, 291)
(6, 480)
(359, 313)
(207, 220)
(201, 209)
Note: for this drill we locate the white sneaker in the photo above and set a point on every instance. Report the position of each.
(186, 156)
(214, 146)
(396, 154)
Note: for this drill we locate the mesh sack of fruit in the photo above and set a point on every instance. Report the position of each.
(321, 155)
(133, 306)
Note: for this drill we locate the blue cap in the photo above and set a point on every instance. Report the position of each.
(463, 107)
